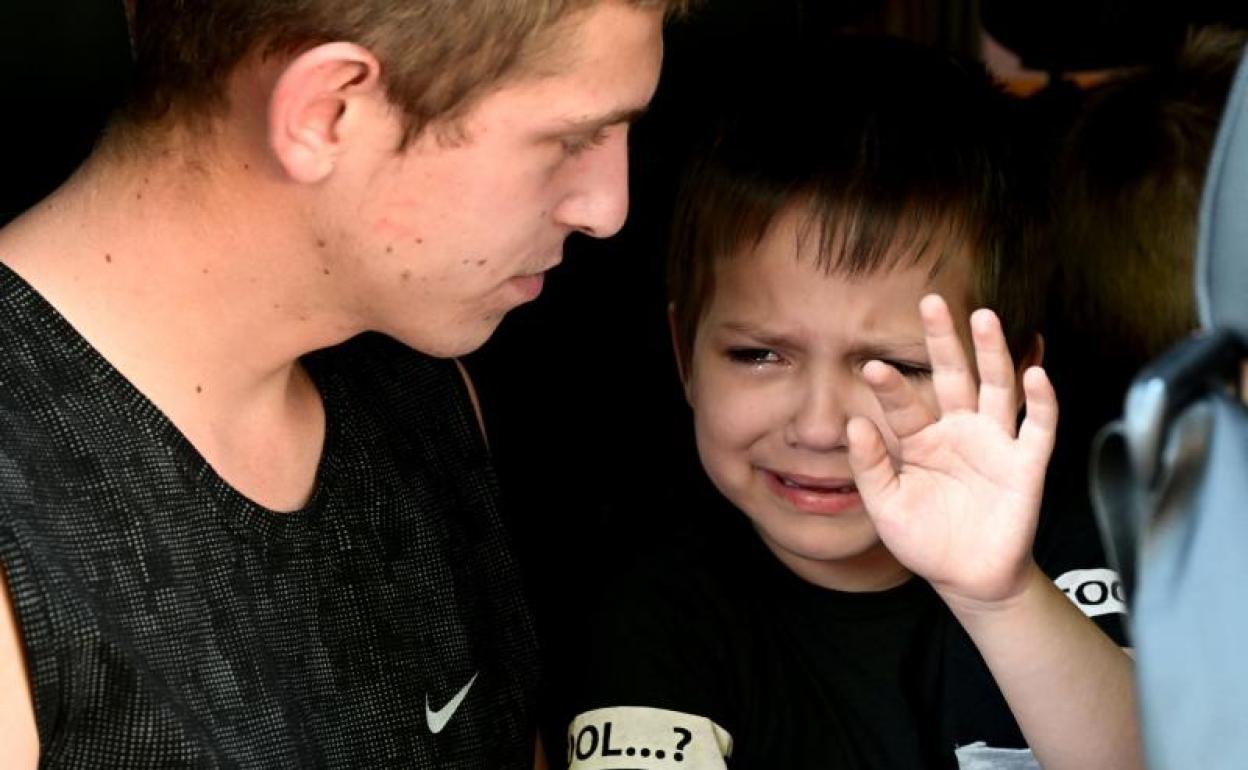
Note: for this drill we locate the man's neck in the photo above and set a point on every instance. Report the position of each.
(193, 285)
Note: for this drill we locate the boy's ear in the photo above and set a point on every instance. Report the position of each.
(1033, 357)
(681, 365)
(318, 99)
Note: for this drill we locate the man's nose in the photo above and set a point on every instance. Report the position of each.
(597, 202)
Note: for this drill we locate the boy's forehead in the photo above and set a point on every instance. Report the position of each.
(785, 266)
(852, 246)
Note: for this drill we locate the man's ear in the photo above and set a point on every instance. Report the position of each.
(682, 369)
(314, 102)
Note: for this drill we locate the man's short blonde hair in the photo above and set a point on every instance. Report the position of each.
(437, 56)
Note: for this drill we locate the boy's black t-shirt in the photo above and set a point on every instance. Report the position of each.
(716, 641)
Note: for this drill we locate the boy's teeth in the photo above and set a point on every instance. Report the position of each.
(794, 485)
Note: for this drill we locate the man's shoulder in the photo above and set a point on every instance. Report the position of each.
(29, 394)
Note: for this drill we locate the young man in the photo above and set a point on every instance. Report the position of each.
(235, 530)
(873, 592)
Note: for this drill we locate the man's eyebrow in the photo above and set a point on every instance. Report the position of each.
(593, 123)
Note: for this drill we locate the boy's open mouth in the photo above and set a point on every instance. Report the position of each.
(830, 486)
(824, 496)
(843, 488)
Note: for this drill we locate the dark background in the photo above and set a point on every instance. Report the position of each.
(584, 410)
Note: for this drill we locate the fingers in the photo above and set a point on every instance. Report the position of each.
(1040, 425)
(952, 378)
(873, 469)
(904, 413)
(997, 398)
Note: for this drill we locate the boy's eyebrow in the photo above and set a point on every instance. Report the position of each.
(762, 336)
(916, 350)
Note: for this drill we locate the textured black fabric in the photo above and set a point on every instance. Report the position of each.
(171, 622)
(801, 677)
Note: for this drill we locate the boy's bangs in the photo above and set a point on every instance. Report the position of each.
(864, 237)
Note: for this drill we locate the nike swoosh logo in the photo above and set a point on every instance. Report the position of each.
(437, 719)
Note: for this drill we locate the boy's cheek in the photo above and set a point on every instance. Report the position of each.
(731, 407)
(726, 427)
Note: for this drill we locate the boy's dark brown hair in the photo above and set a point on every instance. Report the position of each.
(899, 154)
(437, 56)
(1127, 197)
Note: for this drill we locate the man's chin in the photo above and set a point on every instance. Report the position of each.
(459, 340)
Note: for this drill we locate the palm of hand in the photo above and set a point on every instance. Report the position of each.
(959, 504)
(962, 509)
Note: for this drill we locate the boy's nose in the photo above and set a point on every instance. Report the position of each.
(819, 419)
(597, 203)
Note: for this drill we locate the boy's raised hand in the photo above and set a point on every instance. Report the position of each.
(959, 506)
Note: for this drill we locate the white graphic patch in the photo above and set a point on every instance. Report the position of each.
(981, 756)
(646, 739)
(437, 720)
(1095, 591)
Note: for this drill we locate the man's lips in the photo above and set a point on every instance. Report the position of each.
(530, 286)
(827, 496)
(530, 283)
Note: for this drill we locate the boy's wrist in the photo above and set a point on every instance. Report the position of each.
(1029, 588)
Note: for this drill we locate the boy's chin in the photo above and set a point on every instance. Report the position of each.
(829, 549)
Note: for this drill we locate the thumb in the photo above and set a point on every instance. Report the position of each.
(873, 469)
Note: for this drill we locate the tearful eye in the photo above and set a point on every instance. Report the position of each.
(752, 356)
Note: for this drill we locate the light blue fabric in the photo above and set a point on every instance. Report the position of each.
(1190, 618)
(1222, 243)
(1170, 485)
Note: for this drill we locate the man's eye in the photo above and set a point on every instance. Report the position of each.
(910, 370)
(752, 356)
(576, 145)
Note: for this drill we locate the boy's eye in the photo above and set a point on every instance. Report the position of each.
(752, 356)
(910, 370)
(576, 145)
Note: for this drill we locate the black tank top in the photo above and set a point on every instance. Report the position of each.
(171, 622)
